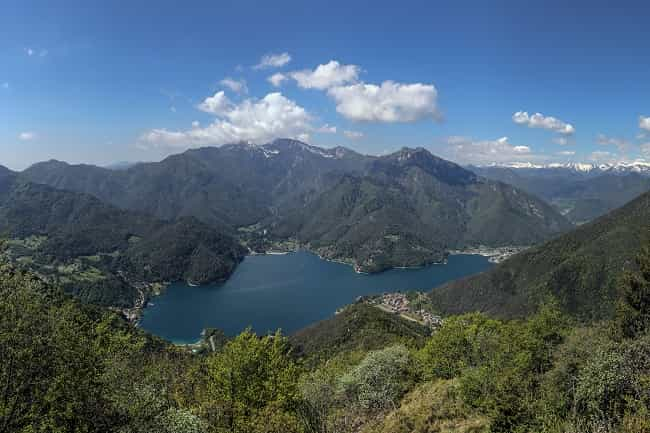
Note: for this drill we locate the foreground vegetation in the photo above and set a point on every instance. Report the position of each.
(69, 367)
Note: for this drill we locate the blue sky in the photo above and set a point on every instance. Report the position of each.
(476, 82)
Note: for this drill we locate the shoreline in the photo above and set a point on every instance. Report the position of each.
(134, 314)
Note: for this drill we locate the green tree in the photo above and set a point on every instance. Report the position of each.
(462, 341)
(633, 309)
(48, 369)
(252, 386)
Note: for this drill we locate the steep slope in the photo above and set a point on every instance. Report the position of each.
(410, 207)
(74, 238)
(580, 269)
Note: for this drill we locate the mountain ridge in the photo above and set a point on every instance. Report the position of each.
(415, 202)
(580, 269)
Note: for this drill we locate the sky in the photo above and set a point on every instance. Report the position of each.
(475, 82)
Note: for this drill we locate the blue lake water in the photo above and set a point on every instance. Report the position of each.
(285, 291)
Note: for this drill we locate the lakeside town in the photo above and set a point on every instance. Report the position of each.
(494, 254)
(411, 306)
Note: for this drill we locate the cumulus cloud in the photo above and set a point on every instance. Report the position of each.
(538, 120)
(273, 61)
(353, 135)
(30, 52)
(277, 79)
(26, 136)
(327, 75)
(644, 123)
(218, 104)
(237, 86)
(253, 120)
(468, 151)
(389, 102)
(620, 143)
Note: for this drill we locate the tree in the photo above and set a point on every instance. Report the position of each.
(252, 386)
(462, 341)
(49, 371)
(633, 309)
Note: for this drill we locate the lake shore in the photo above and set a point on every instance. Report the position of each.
(494, 254)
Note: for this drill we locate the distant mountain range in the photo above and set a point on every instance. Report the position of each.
(403, 209)
(619, 167)
(581, 192)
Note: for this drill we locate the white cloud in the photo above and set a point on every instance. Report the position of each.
(327, 75)
(26, 136)
(327, 129)
(621, 144)
(538, 120)
(644, 123)
(390, 102)
(237, 86)
(253, 120)
(273, 61)
(277, 79)
(566, 153)
(469, 151)
(218, 104)
(30, 52)
(353, 135)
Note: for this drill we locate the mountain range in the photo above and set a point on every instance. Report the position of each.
(404, 209)
(581, 192)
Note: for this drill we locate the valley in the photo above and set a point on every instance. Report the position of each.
(406, 209)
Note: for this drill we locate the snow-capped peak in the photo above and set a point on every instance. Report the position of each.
(637, 166)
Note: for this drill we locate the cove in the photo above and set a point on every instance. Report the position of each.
(287, 292)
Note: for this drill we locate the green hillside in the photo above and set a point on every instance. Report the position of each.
(104, 254)
(581, 269)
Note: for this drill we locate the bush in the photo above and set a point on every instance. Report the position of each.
(380, 379)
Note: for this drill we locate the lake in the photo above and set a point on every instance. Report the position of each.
(285, 291)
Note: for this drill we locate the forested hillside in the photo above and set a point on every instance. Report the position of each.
(73, 368)
(580, 269)
(104, 254)
(410, 207)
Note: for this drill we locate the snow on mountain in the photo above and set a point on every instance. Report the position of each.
(638, 166)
